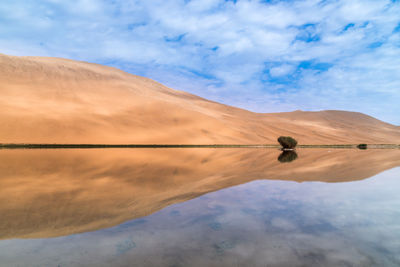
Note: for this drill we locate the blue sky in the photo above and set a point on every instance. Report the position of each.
(265, 56)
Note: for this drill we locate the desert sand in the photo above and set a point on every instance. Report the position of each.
(53, 100)
(48, 193)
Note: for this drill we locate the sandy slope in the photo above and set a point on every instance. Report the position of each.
(52, 100)
(46, 193)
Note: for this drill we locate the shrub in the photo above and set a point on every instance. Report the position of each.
(362, 146)
(287, 156)
(287, 142)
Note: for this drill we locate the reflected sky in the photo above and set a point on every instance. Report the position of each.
(251, 218)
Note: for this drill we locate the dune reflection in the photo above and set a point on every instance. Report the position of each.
(47, 193)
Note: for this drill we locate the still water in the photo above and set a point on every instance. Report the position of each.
(199, 207)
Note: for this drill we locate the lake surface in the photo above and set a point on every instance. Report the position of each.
(199, 207)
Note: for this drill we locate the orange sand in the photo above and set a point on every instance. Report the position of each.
(53, 100)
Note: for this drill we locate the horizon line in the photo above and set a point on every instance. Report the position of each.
(92, 146)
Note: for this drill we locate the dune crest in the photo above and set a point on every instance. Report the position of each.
(53, 100)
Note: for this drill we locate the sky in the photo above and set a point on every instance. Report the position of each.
(264, 56)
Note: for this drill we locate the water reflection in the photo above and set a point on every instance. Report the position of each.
(261, 220)
(287, 156)
(47, 193)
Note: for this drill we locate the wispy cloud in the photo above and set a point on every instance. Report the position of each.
(262, 55)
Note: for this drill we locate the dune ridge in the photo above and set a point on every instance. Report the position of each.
(54, 100)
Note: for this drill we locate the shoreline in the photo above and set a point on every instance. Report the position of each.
(92, 146)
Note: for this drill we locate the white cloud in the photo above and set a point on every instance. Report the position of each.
(281, 70)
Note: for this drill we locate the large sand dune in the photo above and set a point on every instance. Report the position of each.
(52, 100)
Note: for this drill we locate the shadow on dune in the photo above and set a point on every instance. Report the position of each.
(48, 193)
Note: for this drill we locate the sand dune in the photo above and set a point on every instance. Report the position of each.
(47, 193)
(52, 100)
